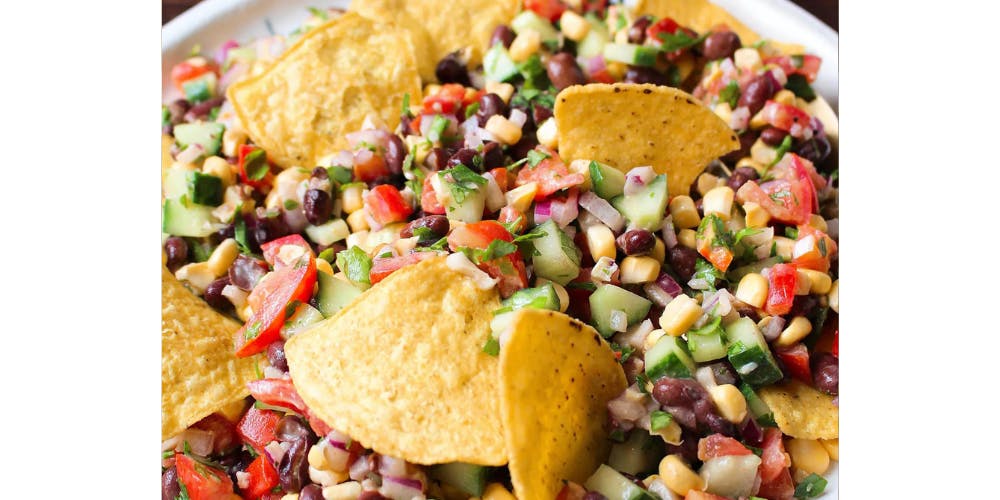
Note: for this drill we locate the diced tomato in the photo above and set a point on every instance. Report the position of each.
(428, 199)
(256, 428)
(274, 293)
(718, 445)
(263, 477)
(370, 167)
(719, 255)
(571, 491)
(836, 343)
(551, 174)
(478, 235)
(191, 69)
(597, 6)
(796, 361)
(448, 99)
(602, 76)
(548, 9)
(272, 248)
(773, 458)
(509, 269)
(664, 25)
(386, 205)
(781, 289)
(500, 175)
(782, 199)
(806, 65)
(785, 117)
(813, 249)
(780, 488)
(224, 432)
(384, 266)
(281, 392)
(509, 215)
(701, 495)
(203, 482)
(245, 151)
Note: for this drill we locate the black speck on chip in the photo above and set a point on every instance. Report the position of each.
(617, 90)
(597, 338)
(647, 91)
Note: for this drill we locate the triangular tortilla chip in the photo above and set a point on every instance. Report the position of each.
(439, 27)
(801, 411)
(200, 373)
(320, 89)
(629, 125)
(556, 378)
(699, 15)
(401, 368)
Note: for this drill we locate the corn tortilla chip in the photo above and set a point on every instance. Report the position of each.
(700, 15)
(801, 411)
(439, 27)
(324, 86)
(200, 374)
(556, 378)
(401, 368)
(629, 125)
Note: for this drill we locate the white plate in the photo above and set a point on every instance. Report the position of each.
(212, 22)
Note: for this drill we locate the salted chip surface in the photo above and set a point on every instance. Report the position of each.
(801, 411)
(200, 373)
(629, 125)
(323, 87)
(700, 15)
(439, 27)
(556, 378)
(401, 368)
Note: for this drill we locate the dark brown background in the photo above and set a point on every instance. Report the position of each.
(825, 10)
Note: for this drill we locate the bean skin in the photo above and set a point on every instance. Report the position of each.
(177, 252)
(311, 492)
(276, 355)
(642, 74)
(318, 206)
(757, 92)
(489, 105)
(170, 488)
(720, 44)
(502, 34)
(740, 177)
(451, 70)
(395, 154)
(637, 32)
(293, 472)
(826, 373)
(772, 136)
(213, 294)
(563, 71)
(682, 260)
(746, 142)
(636, 242)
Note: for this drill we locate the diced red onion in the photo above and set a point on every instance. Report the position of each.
(276, 450)
(543, 210)
(773, 328)
(636, 335)
(595, 64)
(199, 440)
(517, 117)
(296, 219)
(191, 153)
(603, 210)
(470, 129)
(705, 376)
(232, 75)
(637, 178)
(728, 68)
(604, 269)
(729, 475)
(401, 488)
(360, 468)
(779, 76)
(363, 156)
(391, 466)
(669, 285)
(669, 233)
(656, 294)
(720, 304)
(336, 455)
(563, 212)
(817, 126)
(342, 159)
(373, 137)
(698, 284)
(587, 220)
(619, 320)
(220, 55)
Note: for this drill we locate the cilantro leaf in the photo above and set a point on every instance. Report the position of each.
(784, 147)
(405, 110)
(255, 164)
(438, 126)
(678, 41)
(624, 351)
(240, 230)
(290, 204)
(495, 250)
(535, 157)
(810, 487)
(704, 269)
(730, 93)
(800, 87)
(533, 71)
(659, 420)
(462, 181)
(492, 347)
(356, 264)
(743, 233)
(534, 234)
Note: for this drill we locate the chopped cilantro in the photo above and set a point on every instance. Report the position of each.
(438, 126)
(356, 264)
(530, 235)
(344, 187)
(800, 87)
(255, 164)
(756, 451)
(438, 245)
(213, 114)
(405, 109)
(678, 41)
(495, 250)
(767, 420)
(252, 332)
(721, 237)
(533, 97)
(184, 491)
(471, 110)
(674, 76)
(784, 147)
(340, 174)
(641, 380)
(319, 13)
(534, 73)
(730, 93)
(659, 420)
(834, 175)
(164, 116)
(169, 453)
(810, 487)
(462, 181)
(511, 226)
(704, 269)
(492, 347)
(624, 351)
(535, 157)
(290, 204)
(743, 233)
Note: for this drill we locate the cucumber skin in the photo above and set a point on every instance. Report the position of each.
(667, 359)
(601, 310)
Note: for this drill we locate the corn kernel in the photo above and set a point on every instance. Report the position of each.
(818, 222)
(730, 402)
(290, 496)
(496, 491)
(719, 201)
(223, 256)
(679, 315)
(762, 153)
(820, 282)
(420, 145)
(802, 282)
(636, 269)
(747, 58)
(808, 455)
(756, 216)
(357, 221)
(616, 69)
(547, 133)
(753, 289)
(785, 96)
(352, 198)
(671, 433)
(678, 477)
(796, 330)
(358, 239)
(503, 90)
(525, 45)
(758, 121)
(832, 448)
(651, 339)
(582, 167)
(324, 267)
(503, 129)
(687, 237)
(601, 242)
(707, 181)
(232, 140)
(724, 111)
(343, 491)
(574, 26)
(684, 212)
(749, 162)
(316, 457)
(197, 275)
(520, 198)
(833, 296)
(783, 247)
(659, 251)
(220, 168)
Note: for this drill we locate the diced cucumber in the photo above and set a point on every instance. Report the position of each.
(615, 486)
(758, 408)
(640, 453)
(497, 64)
(609, 298)
(334, 294)
(182, 218)
(630, 53)
(201, 88)
(735, 275)
(668, 358)
(593, 44)
(244, 54)
(542, 297)
(462, 201)
(206, 134)
(528, 20)
(304, 316)
(175, 183)
(749, 354)
(204, 189)
(645, 209)
(708, 342)
(469, 478)
(328, 233)
(608, 181)
(557, 257)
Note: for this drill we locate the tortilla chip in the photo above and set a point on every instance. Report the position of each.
(321, 88)
(699, 15)
(629, 125)
(401, 368)
(439, 27)
(200, 374)
(801, 411)
(556, 378)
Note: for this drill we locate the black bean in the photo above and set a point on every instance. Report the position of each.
(746, 142)
(688, 447)
(168, 484)
(237, 461)
(520, 150)
(678, 392)
(177, 252)
(246, 271)
(489, 105)
(563, 71)
(721, 44)
(320, 174)
(683, 259)
(311, 492)
(450, 69)
(593, 495)
(464, 156)
(371, 495)
(643, 74)
(757, 92)
(709, 418)
(262, 228)
(637, 32)
(636, 242)
(291, 428)
(815, 149)
(437, 159)
(276, 355)
(492, 155)
(437, 224)
(751, 431)
(502, 34)
(772, 136)
(317, 205)
(826, 372)
(213, 294)
(540, 113)
(177, 110)
(395, 154)
(293, 471)
(803, 305)
(740, 177)
(202, 109)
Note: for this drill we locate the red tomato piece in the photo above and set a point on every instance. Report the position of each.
(665, 25)
(806, 65)
(245, 151)
(428, 199)
(796, 361)
(781, 198)
(263, 477)
(509, 269)
(370, 167)
(448, 99)
(786, 118)
(773, 458)
(510, 215)
(281, 392)
(274, 293)
(201, 481)
(718, 445)
(551, 174)
(500, 175)
(571, 491)
(383, 267)
(836, 343)
(191, 69)
(602, 76)
(256, 428)
(478, 235)
(781, 289)
(818, 249)
(273, 247)
(598, 6)
(701, 495)
(386, 205)
(548, 9)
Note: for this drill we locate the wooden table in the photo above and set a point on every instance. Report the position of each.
(825, 10)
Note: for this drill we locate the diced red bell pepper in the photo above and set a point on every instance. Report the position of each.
(551, 174)
(796, 360)
(382, 267)
(256, 428)
(781, 289)
(386, 205)
(547, 9)
(273, 247)
(718, 445)
(203, 482)
(275, 292)
(245, 151)
(263, 478)
(779, 488)
(447, 100)
(428, 199)
(370, 167)
(664, 25)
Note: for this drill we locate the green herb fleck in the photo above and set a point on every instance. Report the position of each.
(405, 111)
(438, 125)
(255, 165)
(471, 110)
(730, 93)
(535, 157)
(356, 264)
(791, 232)
(678, 41)
(462, 181)
(492, 347)
(743, 233)
(495, 250)
(810, 487)
(624, 351)
(290, 204)
(659, 420)
(784, 147)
